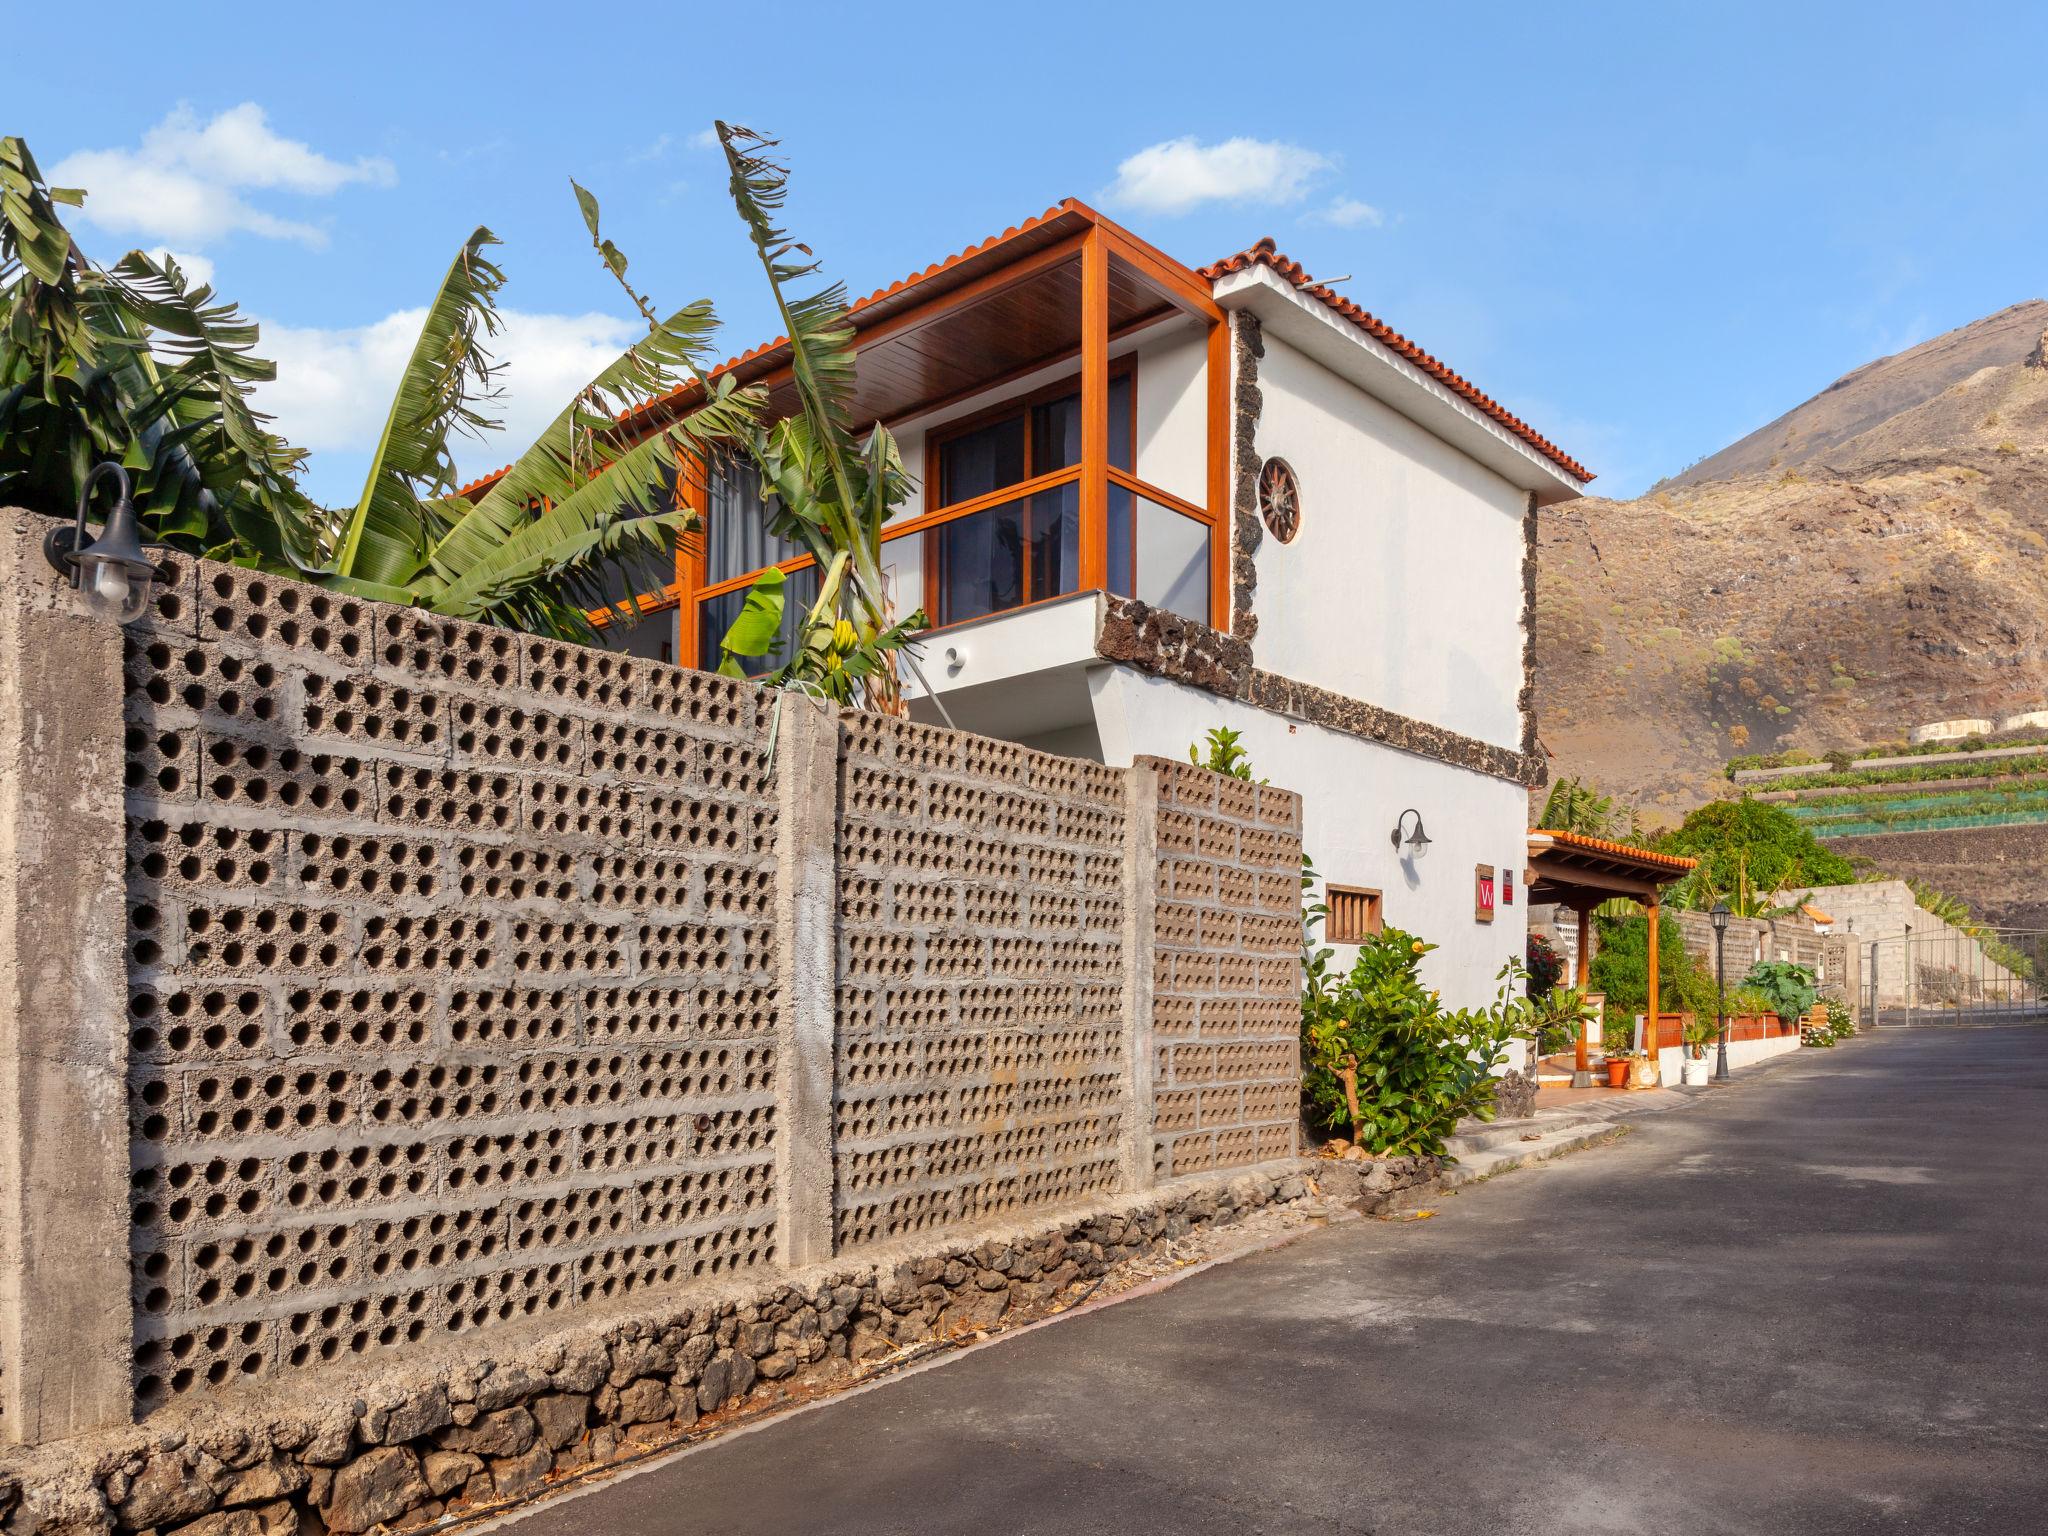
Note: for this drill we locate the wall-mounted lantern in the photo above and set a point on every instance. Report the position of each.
(114, 571)
(1417, 841)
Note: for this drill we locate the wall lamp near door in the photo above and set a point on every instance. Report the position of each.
(1417, 842)
(113, 571)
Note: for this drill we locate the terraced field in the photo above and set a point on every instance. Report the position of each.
(1922, 792)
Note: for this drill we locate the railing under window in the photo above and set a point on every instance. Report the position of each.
(1008, 550)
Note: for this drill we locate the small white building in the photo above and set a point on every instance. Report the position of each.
(1155, 500)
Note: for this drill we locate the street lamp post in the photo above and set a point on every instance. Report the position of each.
(1720, 916)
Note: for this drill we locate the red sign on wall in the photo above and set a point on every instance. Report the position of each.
(1482, 900)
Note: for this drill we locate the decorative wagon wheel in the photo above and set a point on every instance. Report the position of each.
(1280, 500)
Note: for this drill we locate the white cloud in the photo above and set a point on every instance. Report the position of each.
(1182, 174)
(1348, 213)
(652, 150)
(704, 138)
(333, 387)
(183, 183)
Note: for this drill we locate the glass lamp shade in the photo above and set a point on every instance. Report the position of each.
(1720, 916)
(113, 588)
(1417, 843)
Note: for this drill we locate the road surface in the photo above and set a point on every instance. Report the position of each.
(1816, 1302)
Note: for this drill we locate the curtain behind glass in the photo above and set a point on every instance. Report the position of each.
(736, 537)
(981, 461)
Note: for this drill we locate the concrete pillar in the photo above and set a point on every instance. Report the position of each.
(1141, 907)
(66, 1318)
(1582, 1065)
(806, 925)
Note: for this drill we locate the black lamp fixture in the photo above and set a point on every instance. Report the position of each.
(113, 571)
(1720, 917)
(1417, 842)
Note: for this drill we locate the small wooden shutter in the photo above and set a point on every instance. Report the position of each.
(1354, 914)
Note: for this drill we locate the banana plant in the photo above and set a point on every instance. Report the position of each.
(824, 491)
(133, 363)
(535, 551)
(831, 493)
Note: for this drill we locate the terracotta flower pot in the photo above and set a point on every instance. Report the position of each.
(1617, 1072)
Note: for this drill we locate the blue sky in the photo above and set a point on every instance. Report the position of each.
(1646, 229)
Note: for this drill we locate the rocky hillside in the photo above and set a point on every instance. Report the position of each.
(1875, 558)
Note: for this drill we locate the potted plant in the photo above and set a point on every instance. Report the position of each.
(1701, 1031)
(1618, 1043)
(1790, 988)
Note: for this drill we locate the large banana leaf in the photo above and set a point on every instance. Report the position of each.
(387, 537)
(835, 496)
(135, 365)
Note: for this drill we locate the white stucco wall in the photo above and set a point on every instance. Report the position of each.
(1352, 791)
(1404, 585)
(1173, 411)
(1741, 1053)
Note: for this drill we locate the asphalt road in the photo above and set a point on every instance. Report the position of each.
(1816, 1302)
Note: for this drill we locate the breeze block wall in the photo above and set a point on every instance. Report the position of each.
(982, 1058)
(1226, 1005)
(451, 979)
(379, 986)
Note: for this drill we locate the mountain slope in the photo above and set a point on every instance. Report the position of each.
(1818, 432)
(1890, 569)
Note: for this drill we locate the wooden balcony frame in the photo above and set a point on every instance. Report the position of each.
(1101, 247)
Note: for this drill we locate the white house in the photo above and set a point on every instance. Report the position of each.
(1154, 500)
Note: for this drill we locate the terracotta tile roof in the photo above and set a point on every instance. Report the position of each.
(908, 290)
(1264, 254)
(1814, 912)
(856, 311)
(1579, 840)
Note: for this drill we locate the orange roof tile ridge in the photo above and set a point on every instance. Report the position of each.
(1264, 252)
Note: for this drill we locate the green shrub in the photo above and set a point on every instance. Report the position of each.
(1748, 1003)
(1226, 754)
(1747, 845)
(1788, 988)
(1621, 968)
(1386, 1063)
(1557, 1017)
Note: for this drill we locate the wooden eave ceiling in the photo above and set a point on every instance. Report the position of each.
(937, 344)
(1566, 874)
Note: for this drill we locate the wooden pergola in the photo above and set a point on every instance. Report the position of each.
(1580, 872)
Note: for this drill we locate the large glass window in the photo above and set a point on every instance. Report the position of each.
(1030, 548)
(1172, 552)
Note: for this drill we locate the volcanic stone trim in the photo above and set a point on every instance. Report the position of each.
(1162, 642)
(1355, 717)
(1525, 702)
(1167, 645)
(465, 1434)
(1247, 531)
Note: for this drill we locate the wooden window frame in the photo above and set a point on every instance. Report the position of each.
(1338, 899)
(943, 511)
(689, 589)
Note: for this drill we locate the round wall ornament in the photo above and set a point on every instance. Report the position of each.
(1280, 500)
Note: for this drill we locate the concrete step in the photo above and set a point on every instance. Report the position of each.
(1480, 1157)
(1482, 1135)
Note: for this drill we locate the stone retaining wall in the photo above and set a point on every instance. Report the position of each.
(483, 1428)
